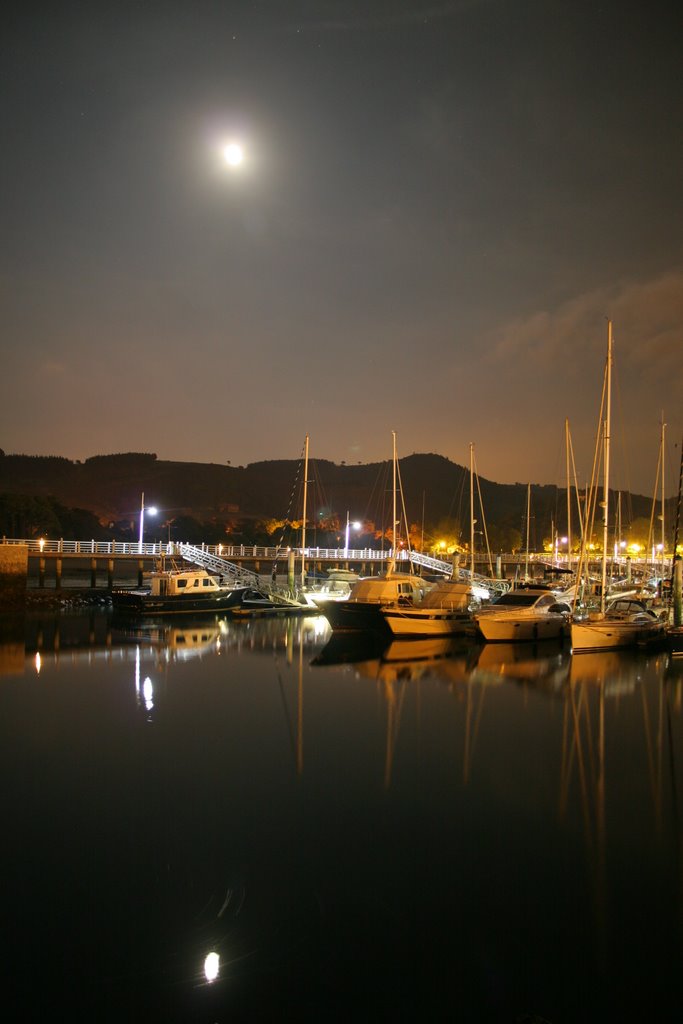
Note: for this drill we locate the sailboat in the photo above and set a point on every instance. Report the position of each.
(608, 629)
(674, 632)
(371, 594)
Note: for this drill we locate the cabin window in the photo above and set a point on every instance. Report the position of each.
(196, 583)
(206, 583)
(181, 584)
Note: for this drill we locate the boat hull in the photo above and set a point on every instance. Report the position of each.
(674, 641)
(353, 616)
(608, 635)
(138, 602)
(427, 622)
(500, 629)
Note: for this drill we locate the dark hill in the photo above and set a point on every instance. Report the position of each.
(435, 489)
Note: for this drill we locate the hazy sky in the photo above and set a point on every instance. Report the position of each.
(439, 206)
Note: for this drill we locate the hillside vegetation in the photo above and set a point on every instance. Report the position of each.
(105, 491)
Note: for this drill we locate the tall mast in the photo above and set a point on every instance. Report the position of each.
(605, 497)
(471, 510)
(303, 524)
(393, 522)
(662, 461)
(676, 583)
(528, 520)
(569, 497)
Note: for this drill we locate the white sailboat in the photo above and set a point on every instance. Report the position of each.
(609, 629)
(371, 595)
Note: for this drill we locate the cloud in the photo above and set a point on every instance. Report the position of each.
(647, 319)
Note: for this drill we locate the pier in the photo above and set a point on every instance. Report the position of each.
(58, 564)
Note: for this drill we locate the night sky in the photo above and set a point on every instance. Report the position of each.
(438, 206)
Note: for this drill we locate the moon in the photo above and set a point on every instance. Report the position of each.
(233, 154)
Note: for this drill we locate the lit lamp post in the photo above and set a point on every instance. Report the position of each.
(152, 511)
(356, 526)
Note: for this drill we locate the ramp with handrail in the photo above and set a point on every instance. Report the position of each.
(435, 564)
(226, 570)
(236, 574)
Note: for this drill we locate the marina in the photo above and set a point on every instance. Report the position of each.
(294, 727)
(222, 819)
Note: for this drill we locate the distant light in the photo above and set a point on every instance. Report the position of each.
(233, 154)
(212, 965)
(38, 662)
(152, 511)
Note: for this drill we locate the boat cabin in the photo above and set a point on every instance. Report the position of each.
(179, 582)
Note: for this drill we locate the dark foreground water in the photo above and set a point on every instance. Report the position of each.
(241, 821)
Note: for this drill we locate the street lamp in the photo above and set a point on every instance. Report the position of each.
(356, 525)
(152, 511)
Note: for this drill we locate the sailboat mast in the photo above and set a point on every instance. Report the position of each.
(676, 561)
(303, 523)
(393, 521)
(528, 520)
(605, 501)
(662, 461)
(569, 497)
(471, 510)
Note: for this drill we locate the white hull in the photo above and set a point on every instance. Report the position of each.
(427, 622)
(610, 634)
(514, 629)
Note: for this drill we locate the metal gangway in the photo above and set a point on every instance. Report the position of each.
(236, 574)
(228, 571)
(436, 565)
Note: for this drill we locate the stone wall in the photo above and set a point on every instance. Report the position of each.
(13, 575)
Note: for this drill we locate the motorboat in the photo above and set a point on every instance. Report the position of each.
(626, 622)
(445, 610)
(336, 586)
(370, 597)
(524, 613)
(177, 591)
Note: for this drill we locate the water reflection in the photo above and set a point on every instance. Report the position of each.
(456, 829)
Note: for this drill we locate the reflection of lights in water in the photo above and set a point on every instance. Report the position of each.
(212, 966)
(320, 625)
(137, 671)
(148, 693)
(38, 662)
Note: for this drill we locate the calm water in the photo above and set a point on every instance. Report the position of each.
(440, 831)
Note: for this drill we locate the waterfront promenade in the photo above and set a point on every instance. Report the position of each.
(105, 563)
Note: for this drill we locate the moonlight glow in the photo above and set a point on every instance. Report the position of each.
(233, 154)
(212, 965)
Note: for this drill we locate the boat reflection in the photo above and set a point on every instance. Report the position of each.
(267, 746)
(374, 657)
(545, 665)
